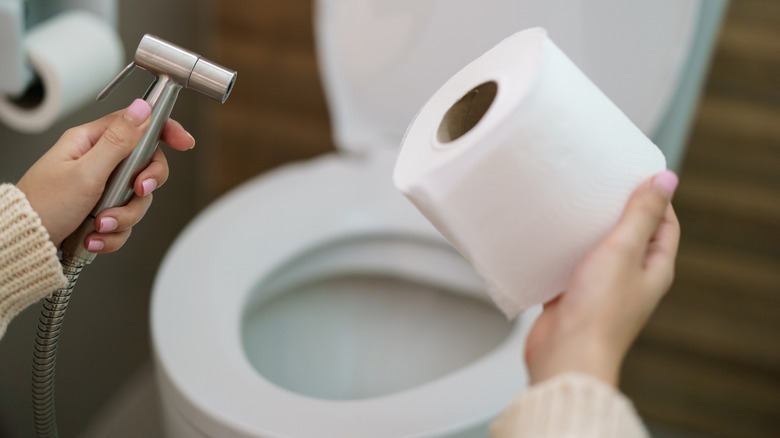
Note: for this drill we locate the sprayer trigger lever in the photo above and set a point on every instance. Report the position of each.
(116, 81)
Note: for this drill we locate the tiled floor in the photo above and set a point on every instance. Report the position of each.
(134, 411)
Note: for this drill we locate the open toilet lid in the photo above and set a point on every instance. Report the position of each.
(381, 60)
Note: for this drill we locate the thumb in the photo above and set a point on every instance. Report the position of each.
(645, 211)
(119, 139)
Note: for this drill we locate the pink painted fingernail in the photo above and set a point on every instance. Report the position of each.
(667, 182)
(108, 224)
(94, 245)
(137, 112)
(148, 186)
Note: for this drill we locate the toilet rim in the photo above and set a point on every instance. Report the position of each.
(433, 409)
(199, 375)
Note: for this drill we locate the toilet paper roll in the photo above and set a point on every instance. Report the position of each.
(75, 55)
(523, 164)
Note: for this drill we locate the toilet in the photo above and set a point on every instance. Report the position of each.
(314, 300)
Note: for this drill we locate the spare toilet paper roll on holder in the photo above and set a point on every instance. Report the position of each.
(56, 56)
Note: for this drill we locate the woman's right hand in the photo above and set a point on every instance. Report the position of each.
(66, 182)
(610, 296)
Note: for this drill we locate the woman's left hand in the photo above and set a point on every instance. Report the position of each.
(590, 327)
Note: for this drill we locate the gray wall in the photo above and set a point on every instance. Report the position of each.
(106, 336)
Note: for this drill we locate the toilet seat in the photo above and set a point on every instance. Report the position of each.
(208, 279)
(379, 61)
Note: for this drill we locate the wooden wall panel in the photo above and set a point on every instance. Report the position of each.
(277, 111)
(709, 360)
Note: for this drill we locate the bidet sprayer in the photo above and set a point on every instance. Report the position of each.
(175, 68)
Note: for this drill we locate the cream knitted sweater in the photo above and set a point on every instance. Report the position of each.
(29, 268)
(571, 405)
(568, 406)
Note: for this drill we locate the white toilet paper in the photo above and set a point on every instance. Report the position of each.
(523, 164)
(75, 55)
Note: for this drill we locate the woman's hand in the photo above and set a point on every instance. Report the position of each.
(65, 183)
(612, 293)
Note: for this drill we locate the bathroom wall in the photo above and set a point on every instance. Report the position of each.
(105, 336)
(709, 360)
(280, 114)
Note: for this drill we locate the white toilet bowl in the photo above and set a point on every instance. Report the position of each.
(314, 300)
(396, 338)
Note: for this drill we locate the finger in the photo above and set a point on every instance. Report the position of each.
(83, 136)
(92, 131)
(122, 218)
(105, 243)
(553, 302)
(662, 251)
(153, 176)
(175, 136)
(118, 139)
(643, 214)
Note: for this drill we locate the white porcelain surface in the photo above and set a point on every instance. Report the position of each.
(362, 336)
(211, 276)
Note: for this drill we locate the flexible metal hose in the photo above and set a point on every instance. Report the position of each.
(45, 354)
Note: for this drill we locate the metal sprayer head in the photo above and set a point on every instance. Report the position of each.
(186, 68)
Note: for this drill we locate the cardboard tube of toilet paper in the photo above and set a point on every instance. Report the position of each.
(523, 165)
(75, 55)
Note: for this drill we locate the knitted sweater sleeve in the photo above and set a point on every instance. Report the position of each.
(571, 405)
(29, 268)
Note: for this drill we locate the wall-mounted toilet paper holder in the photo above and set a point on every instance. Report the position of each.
(17, 18)
(55, 55)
